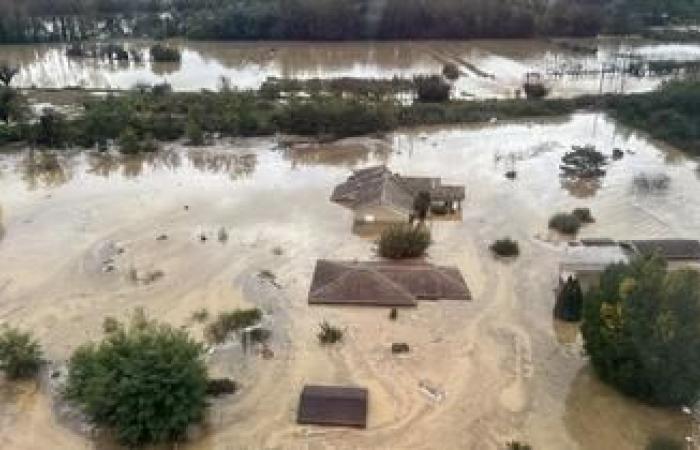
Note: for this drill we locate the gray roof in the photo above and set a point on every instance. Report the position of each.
(333, 405)
(379, 283)
(670, 249)
(378, 185)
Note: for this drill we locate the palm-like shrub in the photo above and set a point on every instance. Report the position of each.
(404, 241)
(329, 334)
(565, 223)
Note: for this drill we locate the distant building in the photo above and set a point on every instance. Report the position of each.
(379, 283)
(587, 259)
(375, 194)
(333, 406)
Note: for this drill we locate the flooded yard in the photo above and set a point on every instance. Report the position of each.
(78, 226)
(490, 69)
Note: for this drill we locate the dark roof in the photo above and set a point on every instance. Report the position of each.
(377, 184)
(333, 405)
(671, 249)
(379, 283)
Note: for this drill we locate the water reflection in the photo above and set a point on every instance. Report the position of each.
(591, 408)
(212, 161)
(45, 169)
(345, 153)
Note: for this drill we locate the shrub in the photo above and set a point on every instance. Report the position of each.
(569, 301)
(162, 53)
(432, 89)
(227, 322)
(146, 381)
(565, 223)
(221, 386)
(583, 162)
(329, 334)
(505, 247)
(201, 315)
(583, 215)
(20, 354)
(664, 443)
(194, 133)
(641, 328)
(110, 324)
(450, 71)
(403, 241)
(129, 142)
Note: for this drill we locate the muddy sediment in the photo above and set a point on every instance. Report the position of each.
(478, 373)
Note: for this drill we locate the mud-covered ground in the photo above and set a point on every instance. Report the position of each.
(78, 226)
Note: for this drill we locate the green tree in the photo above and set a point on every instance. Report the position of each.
(20, 354)
(145, 380)
(641, 328)
(404, 241)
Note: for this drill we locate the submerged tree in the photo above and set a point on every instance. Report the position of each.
(641, 328)
(404, 241)
(583, 162)
(147, 381)
(20, 354)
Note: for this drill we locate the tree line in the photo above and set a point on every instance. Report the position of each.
(68, 20)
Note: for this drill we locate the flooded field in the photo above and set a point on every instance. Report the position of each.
(491, 69)
(78, 226)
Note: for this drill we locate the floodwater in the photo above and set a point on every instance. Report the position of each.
(81, 243)
(490, 68)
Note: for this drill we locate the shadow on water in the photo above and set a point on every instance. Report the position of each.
(598, 417)
(45, 169)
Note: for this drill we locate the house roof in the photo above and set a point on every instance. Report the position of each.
(671, 249)
(333, 405)
(378, 185)
(582, 258)
(379, 283)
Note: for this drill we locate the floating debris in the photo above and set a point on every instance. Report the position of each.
(433, 393)
(162, 237)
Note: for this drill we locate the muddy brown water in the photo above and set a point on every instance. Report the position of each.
(77, 225)
(247, 65)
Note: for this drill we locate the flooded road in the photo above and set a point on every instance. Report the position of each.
(490, 69)
(78, 225)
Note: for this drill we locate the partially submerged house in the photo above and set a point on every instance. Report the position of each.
(375, 194)
(333, 406)
(384, 283)
(587, 259)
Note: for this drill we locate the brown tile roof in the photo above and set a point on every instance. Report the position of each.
(333, 405)
(379, 283)
(671, 249)
(377, 184)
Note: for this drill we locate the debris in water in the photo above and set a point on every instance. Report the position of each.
(400, 347)
(617, 154)
(432, 392)
(187, 207)
(278, 251)
(153, 276)
(270, 277)
(511, 174)
(162, 237)
(202, 237)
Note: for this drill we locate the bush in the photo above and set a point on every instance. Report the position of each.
(20, 354)
(450, 71)
(146, 381)
(664, 443)
(393, 314)
(228, 322)
(565, 223)
(403, 241)
(583, 215)
(162, 53)
(131, 144)
(583, 162)
(505, 247)
(110, 325)
(329, 334)
(201, 315)
(194, 133)
(432, 89)
(569, 301)
(641, 328)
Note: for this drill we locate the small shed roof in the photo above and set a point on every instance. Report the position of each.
(380, 283)
(583, 258)
(333, 405)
